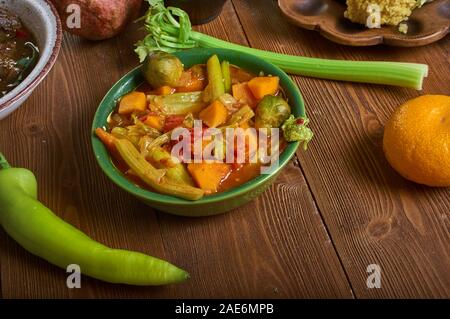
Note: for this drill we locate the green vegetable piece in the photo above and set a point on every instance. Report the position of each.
(159, 141)
(215, 78)
(175, 172)
(161, 68)
(271, 112)
(145, 129)
(146, 173)
(178, 103)
(26, 64)
(119, 132)
(42, 233)
(241, 116)
(296, 129)
(226, 73)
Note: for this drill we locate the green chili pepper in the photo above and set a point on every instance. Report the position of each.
(42, 233)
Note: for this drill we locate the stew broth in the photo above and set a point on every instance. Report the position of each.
(17, 51)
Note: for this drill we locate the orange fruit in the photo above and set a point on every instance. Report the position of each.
(417, 140)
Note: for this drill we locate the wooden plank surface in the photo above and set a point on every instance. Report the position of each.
(276, 246)
(373, 215)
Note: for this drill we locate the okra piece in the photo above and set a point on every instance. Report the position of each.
(160, 140)
(155, 178)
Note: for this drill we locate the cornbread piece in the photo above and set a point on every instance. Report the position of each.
(403, 28)
(392, 12)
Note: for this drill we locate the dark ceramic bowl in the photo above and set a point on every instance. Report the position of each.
(208, 205)
(199, 11)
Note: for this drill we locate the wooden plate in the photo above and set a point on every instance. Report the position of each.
(426, 25)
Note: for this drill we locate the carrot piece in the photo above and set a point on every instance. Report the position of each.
(242, 93)
(264, 85)
(214, 115)
(154, 121)
(109, 141)
(106, 138)
(208, 176)
(133, 102)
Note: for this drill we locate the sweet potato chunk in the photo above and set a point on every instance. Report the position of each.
(133, 102)
(243, 94)
(264, 85)
(214, 115)
(209, 175)
(154, 121)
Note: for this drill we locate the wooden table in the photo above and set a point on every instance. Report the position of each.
(336, 209)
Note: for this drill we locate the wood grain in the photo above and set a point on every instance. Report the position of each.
(372, 214)
(273, 247)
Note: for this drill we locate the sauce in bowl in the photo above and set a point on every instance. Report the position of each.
(18, 51)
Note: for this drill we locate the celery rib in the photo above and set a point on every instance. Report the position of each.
(378, 72)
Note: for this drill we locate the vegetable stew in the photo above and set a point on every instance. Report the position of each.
(18, 51)
(198, 131)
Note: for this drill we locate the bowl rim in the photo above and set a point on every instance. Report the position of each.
(117, 177)
(47, 66)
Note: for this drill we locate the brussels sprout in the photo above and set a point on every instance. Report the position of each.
(271, 112)
(162, 69)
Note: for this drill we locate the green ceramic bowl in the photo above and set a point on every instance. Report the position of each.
(209, 205)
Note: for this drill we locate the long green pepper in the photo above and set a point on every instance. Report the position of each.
(37, 229)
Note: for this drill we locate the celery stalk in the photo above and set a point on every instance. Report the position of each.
(226, 76)
(178, 103)
(378, 72)
(215, 78)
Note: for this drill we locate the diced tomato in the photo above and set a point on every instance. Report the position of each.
(172, 121)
